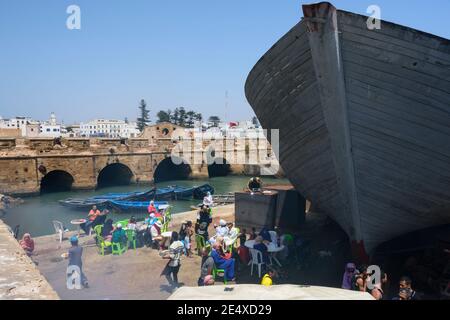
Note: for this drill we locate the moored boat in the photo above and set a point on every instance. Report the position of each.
(364, 120)
(201, 191)
(137, 206)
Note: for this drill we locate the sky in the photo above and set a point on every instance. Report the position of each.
(172, 53)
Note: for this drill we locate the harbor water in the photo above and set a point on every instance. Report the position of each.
(35, 216)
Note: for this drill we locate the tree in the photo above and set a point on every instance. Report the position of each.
(255, 121)
(164, 116)
(144, 119)
(215, 120)
(190, 119)
(175, 118)
(198, 117)
(182, 117)
(126, 120)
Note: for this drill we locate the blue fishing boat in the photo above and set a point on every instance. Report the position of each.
(84, 204)
(135, 205)
(130, 196)
(183, 193)
(201, 191)
(164, 194)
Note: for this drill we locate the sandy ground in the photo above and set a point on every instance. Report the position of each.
(136, 274)
(133, 275)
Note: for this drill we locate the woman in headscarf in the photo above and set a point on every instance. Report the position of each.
(27, 244)
(350, 271)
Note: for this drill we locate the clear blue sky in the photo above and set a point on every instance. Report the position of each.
(170, 52)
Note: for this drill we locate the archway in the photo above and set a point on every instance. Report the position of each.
(56, 181)
(219, 168)
(116, 174)
(172, 168)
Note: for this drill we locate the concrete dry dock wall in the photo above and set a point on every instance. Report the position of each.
(19, 277)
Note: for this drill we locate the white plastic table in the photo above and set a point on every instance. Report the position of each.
(78, 222)
(272, 249)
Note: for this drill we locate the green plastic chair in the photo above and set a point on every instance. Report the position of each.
(215, 272)
(118, 248)
(131, 238)
(201, 243)
(102, 244)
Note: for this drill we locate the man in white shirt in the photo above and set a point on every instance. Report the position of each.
(208, 200)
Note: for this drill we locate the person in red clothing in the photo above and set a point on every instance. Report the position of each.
(151, 208)
(94, 213)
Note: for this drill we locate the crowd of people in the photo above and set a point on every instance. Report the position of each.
(359, 279)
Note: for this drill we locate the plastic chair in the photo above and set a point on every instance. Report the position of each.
(200, 243)
(131, 238)
(101, 242)
(256, 258)
(215, 272)
(118, 248)
(274, 237)
(59, 228)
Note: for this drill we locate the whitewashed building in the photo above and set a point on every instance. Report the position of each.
(109, 129)
(51, 128)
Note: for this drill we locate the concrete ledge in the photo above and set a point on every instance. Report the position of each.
(19, 277)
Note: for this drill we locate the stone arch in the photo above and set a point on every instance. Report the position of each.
(219, 168)
(56, 181)
(114, 174)
(172, 168)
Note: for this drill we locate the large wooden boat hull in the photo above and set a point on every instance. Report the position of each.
(364, 120)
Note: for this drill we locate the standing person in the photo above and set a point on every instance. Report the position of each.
(203, 221)
(208, 200)
(206, 269)
(75, 259)
(173, 266)
(350, 271)
(27, 244)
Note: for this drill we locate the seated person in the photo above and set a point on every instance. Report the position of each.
(27, 244)
(232, 235)
(222, 229)
(92, 217)
(221, 263)
(265, 235)
(151, 219)
(155, 232)
(132, 224)
(151, 207)
(107, 230)
(119, 235)
(260, 246)
(207, 267)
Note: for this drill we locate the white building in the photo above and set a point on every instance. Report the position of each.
(109, 129)
(51, 128)
(17, 123)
